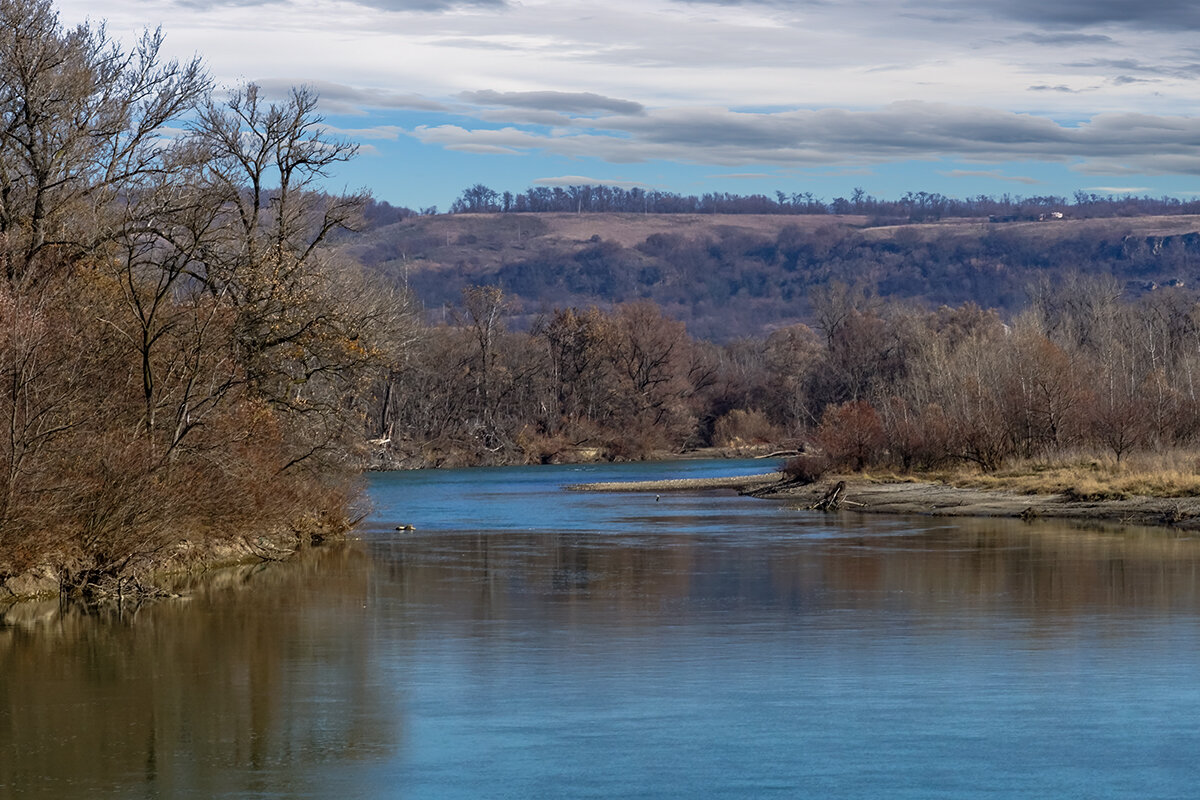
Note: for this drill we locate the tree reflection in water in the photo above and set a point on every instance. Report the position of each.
(451, 662)
(260, 669)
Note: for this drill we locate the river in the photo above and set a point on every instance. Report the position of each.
(528, 642)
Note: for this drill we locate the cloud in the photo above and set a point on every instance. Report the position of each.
(561, 102)
(580, 180)
(1060, 39)
(204, 5)
(477, 43)
(426, 5)
(341, 98)
(1041, 87)
(381, 5)
(989, 173)
(520, 116)
(483, 149)
(1126, 64)
(1118, 189)
(1170, 68)
(1146, 15)
(1109, 143)
(387, 132)
(844, 173)
(338, 98)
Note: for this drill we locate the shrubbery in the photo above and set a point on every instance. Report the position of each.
(179, 357)
(806, 467)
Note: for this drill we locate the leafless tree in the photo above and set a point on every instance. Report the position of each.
(81, 126)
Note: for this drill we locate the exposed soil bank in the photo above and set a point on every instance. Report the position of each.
(187, 559)
(937, 499)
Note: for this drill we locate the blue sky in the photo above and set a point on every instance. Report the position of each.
(951, 96)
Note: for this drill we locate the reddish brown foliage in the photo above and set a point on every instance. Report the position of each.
(851, 435)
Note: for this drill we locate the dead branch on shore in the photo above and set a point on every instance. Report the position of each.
(832, 499)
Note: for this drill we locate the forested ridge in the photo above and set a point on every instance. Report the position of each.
(731, 275)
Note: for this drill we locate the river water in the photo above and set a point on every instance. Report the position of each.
(526, 642)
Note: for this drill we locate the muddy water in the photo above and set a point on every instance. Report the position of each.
(526, 642)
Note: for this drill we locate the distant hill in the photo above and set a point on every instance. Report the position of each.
(733, 275)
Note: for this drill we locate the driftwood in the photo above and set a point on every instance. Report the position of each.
(833, 499)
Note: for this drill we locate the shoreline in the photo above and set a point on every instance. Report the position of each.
(741, 483)
(927, 498)
(162, 577)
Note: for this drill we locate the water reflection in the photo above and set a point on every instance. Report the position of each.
(525, 642)
(262, 669)
(806, 563)
(755, 652)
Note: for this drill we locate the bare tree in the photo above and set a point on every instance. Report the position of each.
(80, 127)
(300, 340)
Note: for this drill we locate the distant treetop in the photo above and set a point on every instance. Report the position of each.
(912, 207)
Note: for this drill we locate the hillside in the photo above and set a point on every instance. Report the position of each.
(733, 275)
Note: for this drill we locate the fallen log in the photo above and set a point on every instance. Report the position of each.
(832, 500)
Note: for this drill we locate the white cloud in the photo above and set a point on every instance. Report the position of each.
(580, 180)
(1118, 189)
(338, 98)
(384, 132)
(849, 84)
(855, 53)
(992, 174)
(1106, 144)
(560, 102)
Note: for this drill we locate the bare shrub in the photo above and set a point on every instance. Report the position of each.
(915, 439)
(851, 435)
(738, 428)
(806, 467)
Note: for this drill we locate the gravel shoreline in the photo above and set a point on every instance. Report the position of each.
(935, 499)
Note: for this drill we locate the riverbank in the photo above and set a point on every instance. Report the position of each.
(385, 460)
(932, 498)
(164, 573)
(744, 484)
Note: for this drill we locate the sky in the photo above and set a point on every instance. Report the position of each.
(960, 97)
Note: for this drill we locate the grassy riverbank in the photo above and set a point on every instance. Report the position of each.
(1171, 474)
(1149, 489)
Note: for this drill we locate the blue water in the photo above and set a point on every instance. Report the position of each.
(497, 499)
(528, 642)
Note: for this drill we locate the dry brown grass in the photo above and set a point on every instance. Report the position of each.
(1173, 473)
(1046, 231)
(626, 229)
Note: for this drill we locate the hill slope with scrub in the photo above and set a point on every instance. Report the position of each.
(731, 275)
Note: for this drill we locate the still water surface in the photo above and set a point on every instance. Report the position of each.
(527, 642)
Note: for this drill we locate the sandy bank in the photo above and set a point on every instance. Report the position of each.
(936, 499)
(741, 483)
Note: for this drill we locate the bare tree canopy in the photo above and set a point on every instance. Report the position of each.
(181, 353)
(81, 129)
